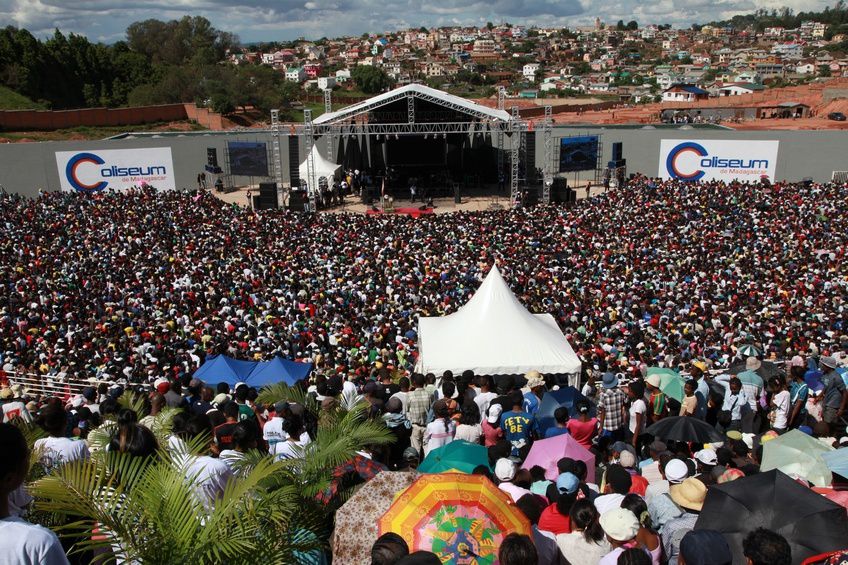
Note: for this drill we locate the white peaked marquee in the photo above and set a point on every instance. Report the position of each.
(494, 334)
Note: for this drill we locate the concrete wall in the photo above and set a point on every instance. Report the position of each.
(22, 120)
(26, 167)
(801, 154)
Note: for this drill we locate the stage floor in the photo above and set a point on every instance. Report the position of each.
(353, 204)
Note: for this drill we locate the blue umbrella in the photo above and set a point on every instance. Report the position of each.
(837, 461)
(843, 372)
(566, 396)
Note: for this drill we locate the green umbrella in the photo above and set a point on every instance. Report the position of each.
(671, 383)
(797, 454)
(747, 350)
(458, 455)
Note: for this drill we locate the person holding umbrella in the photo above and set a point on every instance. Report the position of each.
(834, 393)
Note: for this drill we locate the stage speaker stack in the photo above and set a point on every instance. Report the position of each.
(298, 201)
(616, 151)
(530, 156)
(268, 196)
(559, 191)
(212, 161)
(294, 161)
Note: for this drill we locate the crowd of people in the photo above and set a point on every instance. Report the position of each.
(134, 290)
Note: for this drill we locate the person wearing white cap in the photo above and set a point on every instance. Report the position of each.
(620, 526)
(661, 507)
(504, 473)
(834, 393)
(492, 432)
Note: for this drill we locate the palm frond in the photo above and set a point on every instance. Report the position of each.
(280, 392)
(133, 401)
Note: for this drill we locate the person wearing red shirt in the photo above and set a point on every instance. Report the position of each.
(555, 518)
(584, 428)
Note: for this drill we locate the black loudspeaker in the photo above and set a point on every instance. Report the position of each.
(559, 190)
(616, 151)
(529, 156)
(212, 157)
(570, 195)
(617, 164)
(268, 196)
(457, 197)
(294, 161)
(298, 201)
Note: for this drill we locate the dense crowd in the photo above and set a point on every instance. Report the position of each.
(141, 285)
(139, 288)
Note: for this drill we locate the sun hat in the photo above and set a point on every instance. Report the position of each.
(734, 434)
(752, 364)
(828, 361)
(504, 469)
(534, 379)
(705, 547)
(620, 524)
(707, 457)
(567, 483)
(495, 411)
(609, 380)
(653, 380)
(5, 393)
(689, 494)
(627, 460)
(676, 471)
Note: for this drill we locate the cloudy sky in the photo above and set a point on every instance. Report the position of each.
(256, 20)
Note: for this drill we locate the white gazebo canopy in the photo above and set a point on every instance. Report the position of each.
(493, 334)
(323, 167)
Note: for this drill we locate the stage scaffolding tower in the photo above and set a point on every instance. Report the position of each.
(548, 170)
(500, 135)
(515, 150)
(328, 107)
(275, 148)
(312, 182)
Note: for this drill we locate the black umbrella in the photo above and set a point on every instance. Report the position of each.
(810, 523)
(684, 428)
(767, 370)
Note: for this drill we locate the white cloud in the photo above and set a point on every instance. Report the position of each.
(256, 20)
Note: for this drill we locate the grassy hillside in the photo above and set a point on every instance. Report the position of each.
(11, 100)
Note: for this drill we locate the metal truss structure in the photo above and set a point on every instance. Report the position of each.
(548, 169)
(514, 156)
(354, 121)
(328, 107)
(277, 157)
(311, 180)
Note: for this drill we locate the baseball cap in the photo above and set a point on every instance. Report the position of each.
(280, 406)
(705, 547)
(494, 413)
(676, 471)
(653, 380)
(707, 457)
(567, 483)
(620, 524)
(657, 446)
(504, 469)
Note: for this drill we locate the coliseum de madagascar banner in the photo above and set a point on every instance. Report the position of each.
(115, 169)
(716, 159)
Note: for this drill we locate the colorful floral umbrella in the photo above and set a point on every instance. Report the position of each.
(459, 455)
(356, 520)
(461, 518)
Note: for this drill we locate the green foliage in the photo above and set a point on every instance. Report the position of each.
(370, 80)
(11, 100)
(786, 18)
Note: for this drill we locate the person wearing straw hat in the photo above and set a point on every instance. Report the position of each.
(689, 496)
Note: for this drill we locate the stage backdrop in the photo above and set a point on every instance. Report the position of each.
(717, 159)
(115, 169)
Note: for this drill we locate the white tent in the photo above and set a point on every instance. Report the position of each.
(323, 167)
(493, 334)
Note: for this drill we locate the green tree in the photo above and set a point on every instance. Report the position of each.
(632, 25)
(824, 71)
(370, 80)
